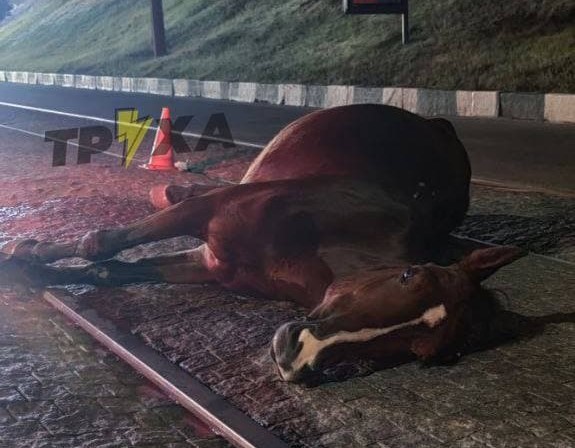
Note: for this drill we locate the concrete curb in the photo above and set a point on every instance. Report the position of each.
(243, 91)
(557, 108)
(85, 82)
(187, 87)
(109, 83)
(292, 94)
(64, 80)
(522, 106)
(267, 93)
(47, 79)
(215, 90)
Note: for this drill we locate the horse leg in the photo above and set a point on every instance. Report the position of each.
(190, 217)
(164, 196)
(182, 267)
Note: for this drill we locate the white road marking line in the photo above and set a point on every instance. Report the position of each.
(70, 142)
(105, 120)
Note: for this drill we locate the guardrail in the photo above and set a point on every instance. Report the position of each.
(553, 107)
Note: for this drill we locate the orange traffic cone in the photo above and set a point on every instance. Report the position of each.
(162, 157)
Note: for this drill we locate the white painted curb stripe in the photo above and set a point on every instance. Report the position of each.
(557, 108)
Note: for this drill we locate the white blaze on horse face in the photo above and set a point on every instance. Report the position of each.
(311, 346)
(433, 316)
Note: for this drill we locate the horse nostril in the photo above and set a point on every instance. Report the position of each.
(273, 353)
(286, 347)
(285, 342)
(295, 360)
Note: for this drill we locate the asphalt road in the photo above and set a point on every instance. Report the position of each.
(525, 153)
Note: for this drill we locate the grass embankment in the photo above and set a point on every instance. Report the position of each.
(457, 44)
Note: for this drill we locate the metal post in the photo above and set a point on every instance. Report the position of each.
(158, 31)
(405, 27)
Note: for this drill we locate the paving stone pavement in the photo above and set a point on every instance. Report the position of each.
(517, 394)
(60, 389)
(537, 222)
(521, 393)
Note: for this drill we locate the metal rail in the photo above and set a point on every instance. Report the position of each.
(226, 420)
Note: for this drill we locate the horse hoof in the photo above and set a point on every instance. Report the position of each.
(15, 272)
(93, 246)
(159, 197)
(164, 196)
(23, 249)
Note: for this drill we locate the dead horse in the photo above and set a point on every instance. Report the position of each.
(341, 213)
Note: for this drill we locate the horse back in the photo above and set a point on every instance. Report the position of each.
(395, 148)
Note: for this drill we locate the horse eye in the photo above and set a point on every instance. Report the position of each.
(407, 275)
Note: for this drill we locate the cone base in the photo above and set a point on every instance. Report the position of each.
(151, 167)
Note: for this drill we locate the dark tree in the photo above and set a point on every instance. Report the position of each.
(5, 7)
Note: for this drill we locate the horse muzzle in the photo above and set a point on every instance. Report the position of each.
(295, 359)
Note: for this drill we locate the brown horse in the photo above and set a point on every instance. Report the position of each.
(340, 213)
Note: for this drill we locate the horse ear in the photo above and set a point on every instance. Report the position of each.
(482, 263)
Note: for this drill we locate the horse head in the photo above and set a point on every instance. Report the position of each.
(388, 312)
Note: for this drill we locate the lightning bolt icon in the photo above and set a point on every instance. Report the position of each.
(131, 131)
